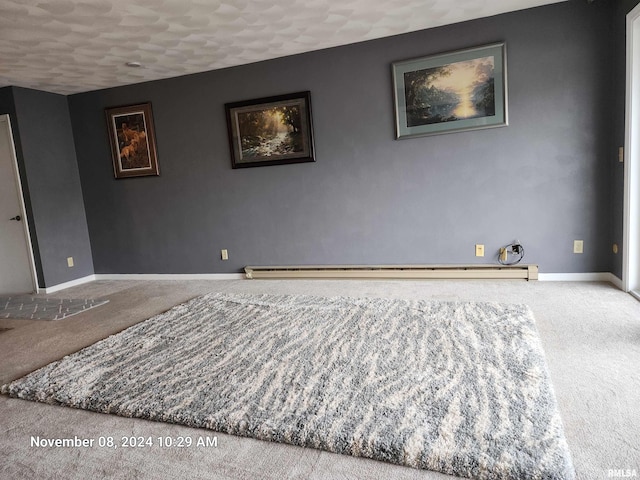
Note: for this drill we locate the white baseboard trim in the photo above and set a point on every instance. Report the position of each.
(581, 277)
(617, 282)
(543, 277)
(72, 283)
(170, 276)
(142, 276)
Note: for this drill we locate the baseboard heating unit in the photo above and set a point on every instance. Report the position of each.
(527, 272)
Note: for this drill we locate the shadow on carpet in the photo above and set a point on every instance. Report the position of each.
(459, 388)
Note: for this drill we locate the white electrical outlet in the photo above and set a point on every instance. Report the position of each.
(224, 254)
(479, 250)
(69, 262)
(578, 246)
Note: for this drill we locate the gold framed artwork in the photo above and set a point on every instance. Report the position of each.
(132, 140)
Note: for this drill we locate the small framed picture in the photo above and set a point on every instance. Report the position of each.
(451, 92)
(132, 139)
(270, 131)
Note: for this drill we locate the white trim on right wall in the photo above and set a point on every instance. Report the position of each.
(631, 248)
(581, 277)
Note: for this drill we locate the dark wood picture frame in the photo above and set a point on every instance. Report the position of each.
(132, 140)
(271, 131)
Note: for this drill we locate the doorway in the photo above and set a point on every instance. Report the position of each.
(17, 266)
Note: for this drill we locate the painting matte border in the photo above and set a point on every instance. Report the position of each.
(499, 119)
(133, 151)
(240, 158)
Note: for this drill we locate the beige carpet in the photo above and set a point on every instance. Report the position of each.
(590, 333)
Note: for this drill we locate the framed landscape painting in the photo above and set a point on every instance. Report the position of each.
(132, 139)
(270, 131)
(451, 92)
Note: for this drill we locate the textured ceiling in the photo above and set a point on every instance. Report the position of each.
(69, 46)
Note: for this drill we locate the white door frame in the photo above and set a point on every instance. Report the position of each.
(4, 119)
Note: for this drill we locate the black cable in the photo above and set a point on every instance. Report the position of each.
(514, 249)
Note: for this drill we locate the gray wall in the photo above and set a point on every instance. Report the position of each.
(46, 154)
(370, 199)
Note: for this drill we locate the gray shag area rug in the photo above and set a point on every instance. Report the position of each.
(460, 388)
(44, 308)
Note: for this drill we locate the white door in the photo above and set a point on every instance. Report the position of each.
(631, 261)
(16, 259)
